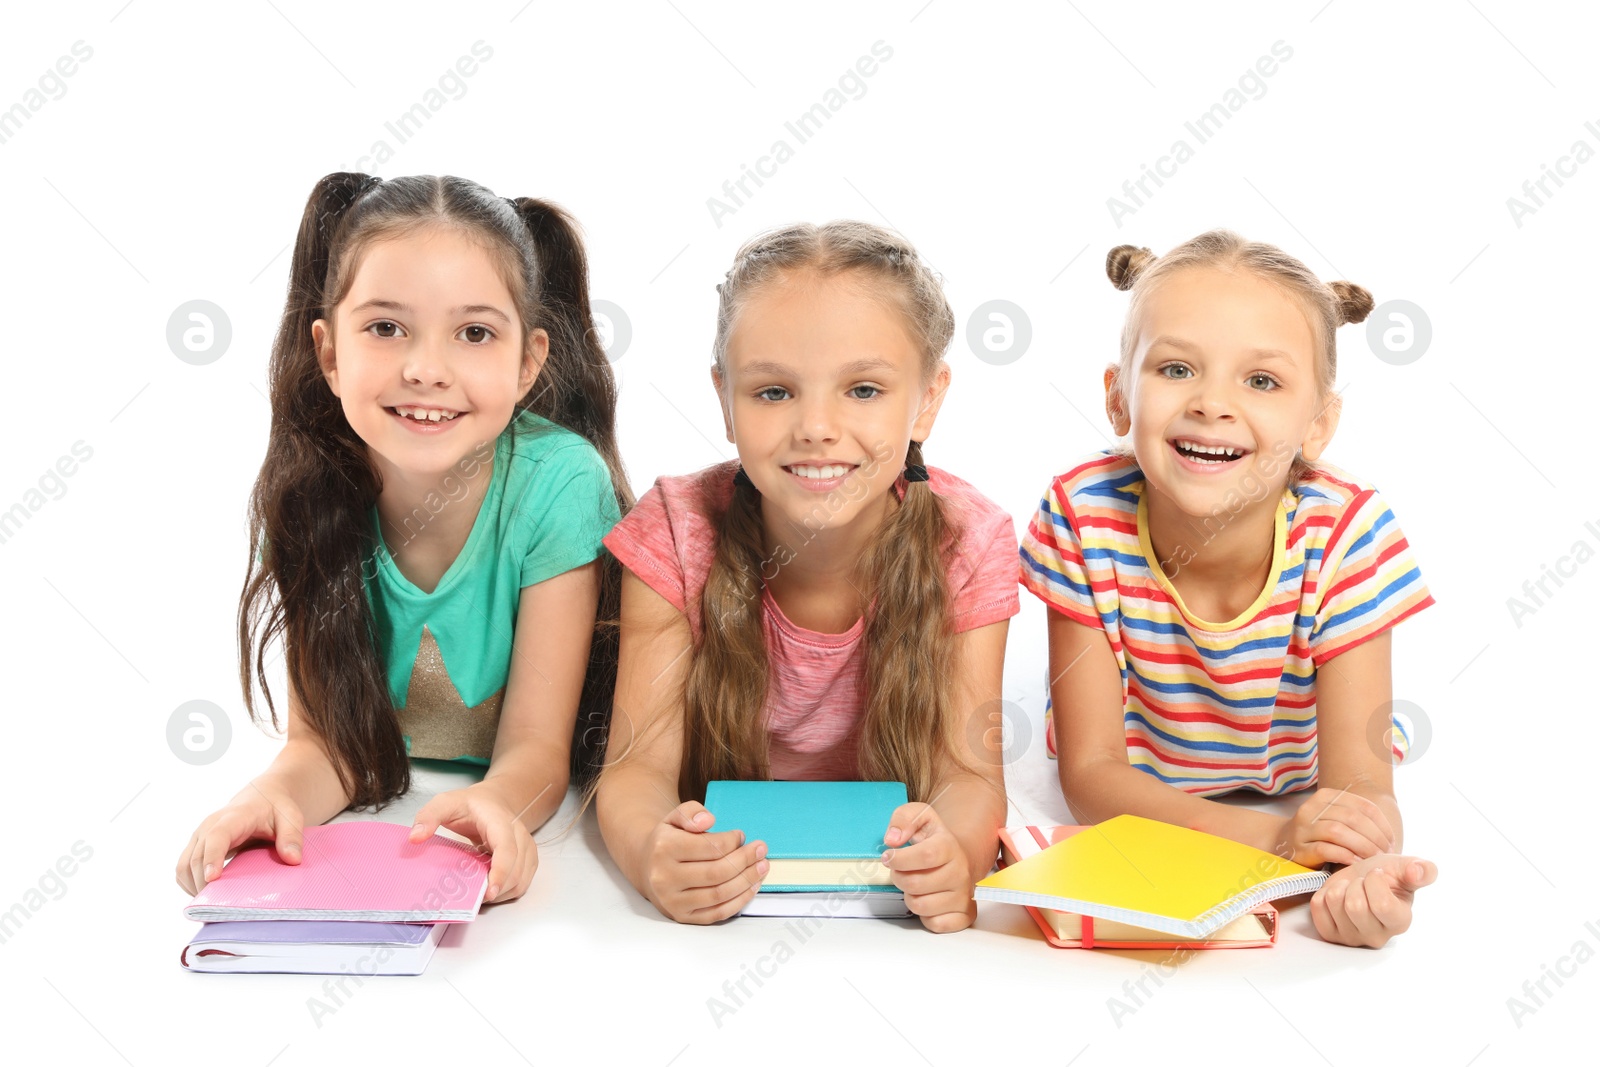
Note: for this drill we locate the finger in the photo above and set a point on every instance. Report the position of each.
(1358, 819)
(1335, 831)
(908, 821)
(1322, 852)
(184, 874)
(1358, 910)
(936, 903)
(436, 813)
(931, 852)
(945, 922)
(922, 882)
(705, 874)
(216, 845)
(744, 884)
(1322, 919)
(694, 847)
(289, 832)
(527, 860)
(1392, 912)
(726, 910)
(504, 859)
(691, 816)
(1347, 934)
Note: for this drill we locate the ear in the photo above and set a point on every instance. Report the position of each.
(1320, 432)
(534, 355)
(1116, 403)
(932, 401)
(322, 341)
(722, 402)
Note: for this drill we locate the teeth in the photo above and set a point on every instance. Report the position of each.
(1213, 450)
(835, 470)
(427, 414)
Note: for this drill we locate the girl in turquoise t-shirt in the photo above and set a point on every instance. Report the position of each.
(441, 466)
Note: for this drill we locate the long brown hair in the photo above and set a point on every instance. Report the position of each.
(309, 509)
(907, 730)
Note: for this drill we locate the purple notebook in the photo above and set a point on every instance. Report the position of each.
(284, 946)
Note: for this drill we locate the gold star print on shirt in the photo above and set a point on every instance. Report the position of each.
(436, 721)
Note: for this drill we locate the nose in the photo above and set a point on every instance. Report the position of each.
(426, 364)
(818, 419)
(1209, 400)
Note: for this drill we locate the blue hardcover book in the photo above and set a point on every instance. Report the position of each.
(822, 837)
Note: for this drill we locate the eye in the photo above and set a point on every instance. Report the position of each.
(1263, 382)
(1174, 371)
(488, 334)
(872, 392)
(765, 394)
(385, 322)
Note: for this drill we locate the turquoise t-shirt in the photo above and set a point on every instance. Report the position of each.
(448, 652)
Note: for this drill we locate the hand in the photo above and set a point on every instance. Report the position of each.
(697, 877)
(1367, 903)
(258, 813)
(932, 871)
(479, 815)
(1335, 826)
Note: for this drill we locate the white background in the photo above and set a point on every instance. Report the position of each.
(175, 164)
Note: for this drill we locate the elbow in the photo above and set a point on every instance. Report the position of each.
(1083, 785)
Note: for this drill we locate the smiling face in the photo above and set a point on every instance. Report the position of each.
(1222, 390)
(823, 389)
(426, 351)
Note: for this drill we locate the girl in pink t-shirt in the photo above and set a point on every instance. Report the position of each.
(824, 608)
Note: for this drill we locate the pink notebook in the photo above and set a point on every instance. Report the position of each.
(356, 871)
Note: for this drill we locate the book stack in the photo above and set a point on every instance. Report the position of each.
(363, 899)
(1136, 883)
(824, 843)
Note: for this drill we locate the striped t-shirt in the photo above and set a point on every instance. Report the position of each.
(1212, 707)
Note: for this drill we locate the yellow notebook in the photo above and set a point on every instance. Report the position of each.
(1151, 874)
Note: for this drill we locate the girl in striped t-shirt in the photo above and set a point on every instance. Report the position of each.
(1222, 602)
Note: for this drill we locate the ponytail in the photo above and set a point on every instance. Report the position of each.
(308, 517)
(577, 390)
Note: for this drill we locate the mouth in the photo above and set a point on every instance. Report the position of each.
(421, 415)
(1201, 455)
(820, 477)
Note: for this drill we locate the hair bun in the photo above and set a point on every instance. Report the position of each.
(1355, 303)
(1125, 263)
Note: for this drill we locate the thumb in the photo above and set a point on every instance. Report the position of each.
(1418, 873)
(691, 816)
(431, 816)
(289, 836)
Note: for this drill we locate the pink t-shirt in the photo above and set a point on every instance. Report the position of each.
(813, 710)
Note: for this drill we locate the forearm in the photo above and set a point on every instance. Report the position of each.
(973, 810)
(303, 772)
(530, 778)
(1100, 789)
(630, 803)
